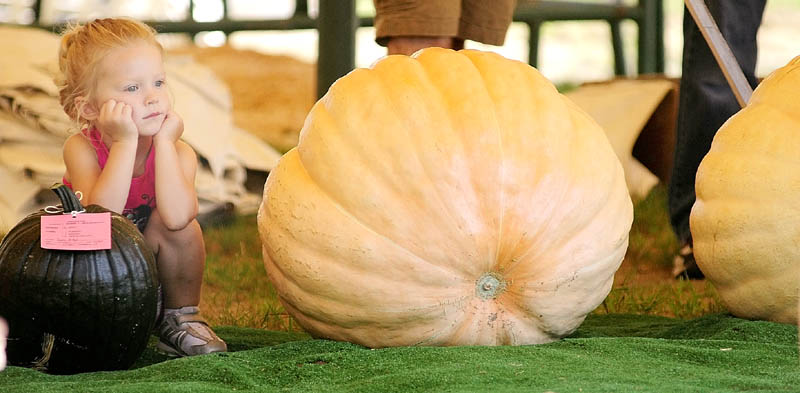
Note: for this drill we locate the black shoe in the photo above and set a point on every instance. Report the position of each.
(684, 265)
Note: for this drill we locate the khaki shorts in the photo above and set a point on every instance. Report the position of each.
(485, 21)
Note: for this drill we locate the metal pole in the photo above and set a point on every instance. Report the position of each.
(648, 36)
(37, 11)
(619, 50)
(337, 41)
(533, 42)
(659, 36)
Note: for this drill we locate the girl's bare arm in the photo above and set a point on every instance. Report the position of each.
(109, 187)
(176, 165)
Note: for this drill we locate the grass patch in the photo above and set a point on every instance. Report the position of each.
(678, 299)
(644, 283)
(236, 290)
(651, 240)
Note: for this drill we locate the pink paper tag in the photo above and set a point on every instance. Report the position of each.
(85, 231)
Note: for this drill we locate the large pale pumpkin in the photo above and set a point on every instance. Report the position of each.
(746, 220)
(452, 198)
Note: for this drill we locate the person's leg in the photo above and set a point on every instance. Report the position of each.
(407, 45)
(486, 21)
(407, 26)
(180, 256)
(181, 259)
(706, 101)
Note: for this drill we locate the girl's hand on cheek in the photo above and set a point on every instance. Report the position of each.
(116, 120)
(171, 129)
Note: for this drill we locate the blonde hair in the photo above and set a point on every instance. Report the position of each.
(82, 48)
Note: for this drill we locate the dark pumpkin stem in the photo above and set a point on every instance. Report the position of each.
(69, 200)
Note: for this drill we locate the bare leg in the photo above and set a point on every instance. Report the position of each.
(407, 45)
(181, 258)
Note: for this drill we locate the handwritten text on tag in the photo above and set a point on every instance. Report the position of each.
(85, 231)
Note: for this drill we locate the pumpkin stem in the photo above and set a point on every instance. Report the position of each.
(69, 201)
(48, 341)
(489, 286)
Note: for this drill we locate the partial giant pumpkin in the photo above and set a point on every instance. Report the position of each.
(746, 221)
(450, 198)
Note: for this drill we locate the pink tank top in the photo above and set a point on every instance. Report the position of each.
(142, 194)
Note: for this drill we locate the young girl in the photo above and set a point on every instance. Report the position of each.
(129, 159)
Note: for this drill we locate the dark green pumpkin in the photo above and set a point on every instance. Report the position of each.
(76, 311)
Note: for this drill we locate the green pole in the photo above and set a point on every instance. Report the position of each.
(619, 49)
(533, 42)
(660, 36)
(648, 36)
(337, 41)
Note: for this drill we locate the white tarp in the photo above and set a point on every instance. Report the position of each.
(33, 128)
(623, 107)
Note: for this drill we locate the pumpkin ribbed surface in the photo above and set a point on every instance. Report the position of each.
(452, 198)
(746, 220)
(99, 306)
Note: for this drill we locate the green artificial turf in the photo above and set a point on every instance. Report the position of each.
(609, 353)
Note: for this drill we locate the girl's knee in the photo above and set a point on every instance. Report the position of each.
(157, 232)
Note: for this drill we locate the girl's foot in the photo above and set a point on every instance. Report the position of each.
(183, 332)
